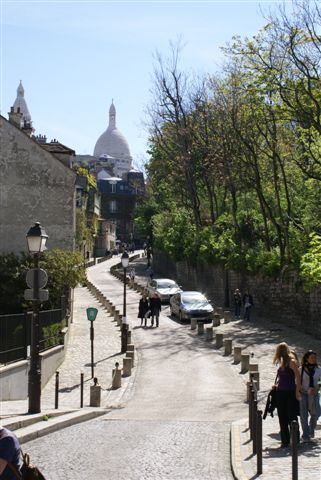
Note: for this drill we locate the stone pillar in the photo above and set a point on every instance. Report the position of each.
(209, 333)
(130, 347)
(116, 378)
(219, 340)
(95, 395)
(227, 316)
(216, 320)
(193, 323)
(200, 328)
(227, 346)
(253, 367)
(132, 356)
(127, 367)
(237, 351)
(255, 377)
(245, 362)
(219, 311)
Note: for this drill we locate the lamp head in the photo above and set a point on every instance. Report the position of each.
(36, 238)
(125, 259)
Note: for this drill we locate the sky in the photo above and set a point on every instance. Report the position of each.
(74, 57)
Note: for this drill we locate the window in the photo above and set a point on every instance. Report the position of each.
(112, 206)
(113, 188)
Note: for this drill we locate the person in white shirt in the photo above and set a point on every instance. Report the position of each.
(310, 409)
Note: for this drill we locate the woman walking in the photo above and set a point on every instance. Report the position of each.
(143, 309)
(310, 409)
(288, 386)
(155, 307)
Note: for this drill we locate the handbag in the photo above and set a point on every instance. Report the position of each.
(28, 470)
(270, 401)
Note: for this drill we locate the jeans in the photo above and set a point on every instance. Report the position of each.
(237, 310)
(308, 424)
(156, 315)
(247, 311)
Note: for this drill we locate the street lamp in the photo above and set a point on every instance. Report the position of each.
(36, 238)
(124, 326)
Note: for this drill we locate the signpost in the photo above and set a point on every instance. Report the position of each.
(91, 316)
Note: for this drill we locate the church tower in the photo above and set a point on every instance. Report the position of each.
(19, 114)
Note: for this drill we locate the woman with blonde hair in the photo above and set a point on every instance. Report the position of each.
(288, 386)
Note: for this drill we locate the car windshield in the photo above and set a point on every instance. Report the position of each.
(166, 284)
(191, 298)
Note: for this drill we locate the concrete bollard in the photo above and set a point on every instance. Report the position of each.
(216, 320)
(245, 362)
(227, 346)
(200, 328)
(130, 347)
(116, 377)
(129, 337)
(132, 356)
(237, 351)
(127, 367)
(95, 394)
(255, 377)
(227, 316)
(119, 320)
(209, 333)
(253, 367)
(219, 340)
(116, 315)
(219, 311)
(193, 323)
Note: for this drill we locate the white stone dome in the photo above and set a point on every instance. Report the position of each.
(112, 142)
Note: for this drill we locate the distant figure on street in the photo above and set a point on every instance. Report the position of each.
(132, 275)
(310, 409)
(288, 386)
(155, 308)
(150, 273)
(149, 255)
(248, 304)
(237, 303)
(143, 310)
(10, 452)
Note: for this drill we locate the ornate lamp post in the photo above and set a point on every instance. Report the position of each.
(36, 238)
(124, 326)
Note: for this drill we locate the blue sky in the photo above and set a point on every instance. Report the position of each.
(73, 57)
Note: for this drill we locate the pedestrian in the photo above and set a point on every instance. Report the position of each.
(155, 308)
(288, 386)
(310, 409)
(150, 273)
(143, 310)
(132, 275)
(10, 454)
(149, 255)
(248, 304)
(237, 303)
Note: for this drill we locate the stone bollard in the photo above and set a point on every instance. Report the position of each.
(237, 351)
(116, 315)
(127, 367)
(129, 337)
(227, 346)
(255, 377)
(253, 367)
(219, 340)
(219, 311)
(200, 328)
(245, 362)
(95, 394)
(132, 356)
(193, 323)
(119, 320)
(209, 333)
(216, 320)
(130, 347)
(227, 316)
(116, 377)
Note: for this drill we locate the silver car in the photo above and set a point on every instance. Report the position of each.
(164, 287)
(188, 305)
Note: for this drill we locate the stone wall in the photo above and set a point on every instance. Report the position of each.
(283, 300)
(34, 186)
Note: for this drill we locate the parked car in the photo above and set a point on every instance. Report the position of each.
(188, 305)
(164, 287)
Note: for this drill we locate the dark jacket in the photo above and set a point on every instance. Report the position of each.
(143, 307)
(155, 305)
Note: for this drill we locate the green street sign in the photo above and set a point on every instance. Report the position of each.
(91, 313)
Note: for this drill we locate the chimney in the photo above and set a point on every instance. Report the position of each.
(27, 128)
(15, 117)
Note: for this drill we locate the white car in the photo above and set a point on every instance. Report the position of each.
(188, 305)
(164, 287)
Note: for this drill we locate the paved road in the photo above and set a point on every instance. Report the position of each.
(176, 423)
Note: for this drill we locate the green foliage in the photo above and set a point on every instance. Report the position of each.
(51, 335)
(310, 270)
(13, 271)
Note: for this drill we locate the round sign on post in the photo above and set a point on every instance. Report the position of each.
(42, 277)
(91, 313)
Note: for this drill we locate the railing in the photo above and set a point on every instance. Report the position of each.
(15, 332)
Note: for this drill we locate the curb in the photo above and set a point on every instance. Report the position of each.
(235, 451)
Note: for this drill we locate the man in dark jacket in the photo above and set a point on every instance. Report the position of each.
(155, 307)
